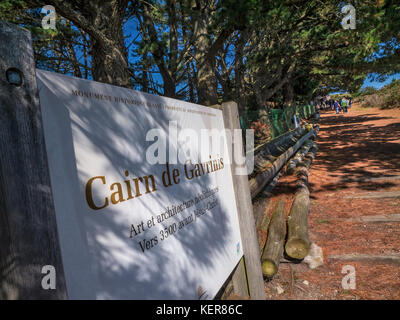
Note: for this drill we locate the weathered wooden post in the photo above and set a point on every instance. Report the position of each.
(28, 231)
(251, 266)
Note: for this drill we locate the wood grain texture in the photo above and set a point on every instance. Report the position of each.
(261, 180)
(266, 154)
(28, 231)
(303, 168)
(273, 251)
(298, 242)
(261, 201)
(298, 157)
(246, 218)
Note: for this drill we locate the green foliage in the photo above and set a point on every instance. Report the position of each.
(54, 50)
(387, 97)
(368, 90)
(259, 53)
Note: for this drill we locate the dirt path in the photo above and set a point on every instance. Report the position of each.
(355, 209)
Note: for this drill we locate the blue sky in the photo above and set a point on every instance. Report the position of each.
(371, 82)
(376, 84)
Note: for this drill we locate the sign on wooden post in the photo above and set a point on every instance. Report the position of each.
(141, 185)
(143, 192)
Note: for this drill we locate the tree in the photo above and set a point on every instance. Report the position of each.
(251, 51)
(103, 22)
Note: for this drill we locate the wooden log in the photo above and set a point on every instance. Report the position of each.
(273, 251)
(298, 157)
(316, 129)
(279, 139)
(282, 145)
(263, 226)
(276, 146)
(260, 202)
(298, 243)
(303, 168)
(28, 229)
(258, 182)
(261, 163)
(264, 156)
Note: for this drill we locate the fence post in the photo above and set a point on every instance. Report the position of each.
(28, 231)
(271, 123)
(248, 231)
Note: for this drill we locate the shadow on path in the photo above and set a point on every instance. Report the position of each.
(355, 148)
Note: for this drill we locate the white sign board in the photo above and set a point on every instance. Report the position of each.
(130, 228)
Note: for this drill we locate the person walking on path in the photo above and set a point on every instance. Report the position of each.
(336, 106)
(344, 105)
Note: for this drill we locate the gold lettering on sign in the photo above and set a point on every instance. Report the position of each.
(117, 192)
(89, 194)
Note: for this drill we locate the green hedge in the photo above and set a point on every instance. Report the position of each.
(279, 121)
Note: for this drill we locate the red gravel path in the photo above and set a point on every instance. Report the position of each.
(357, 151)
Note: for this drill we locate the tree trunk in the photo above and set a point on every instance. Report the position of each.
(207, 83)
(239, 70)
(157, 48)
(170, 91)
(288, 93)
(190, 79)
(273, 251)
(103, 22)
(205, 51)
(109, 56)
(74, 60)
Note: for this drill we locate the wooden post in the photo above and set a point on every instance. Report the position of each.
(28, 231)
(250, 268)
